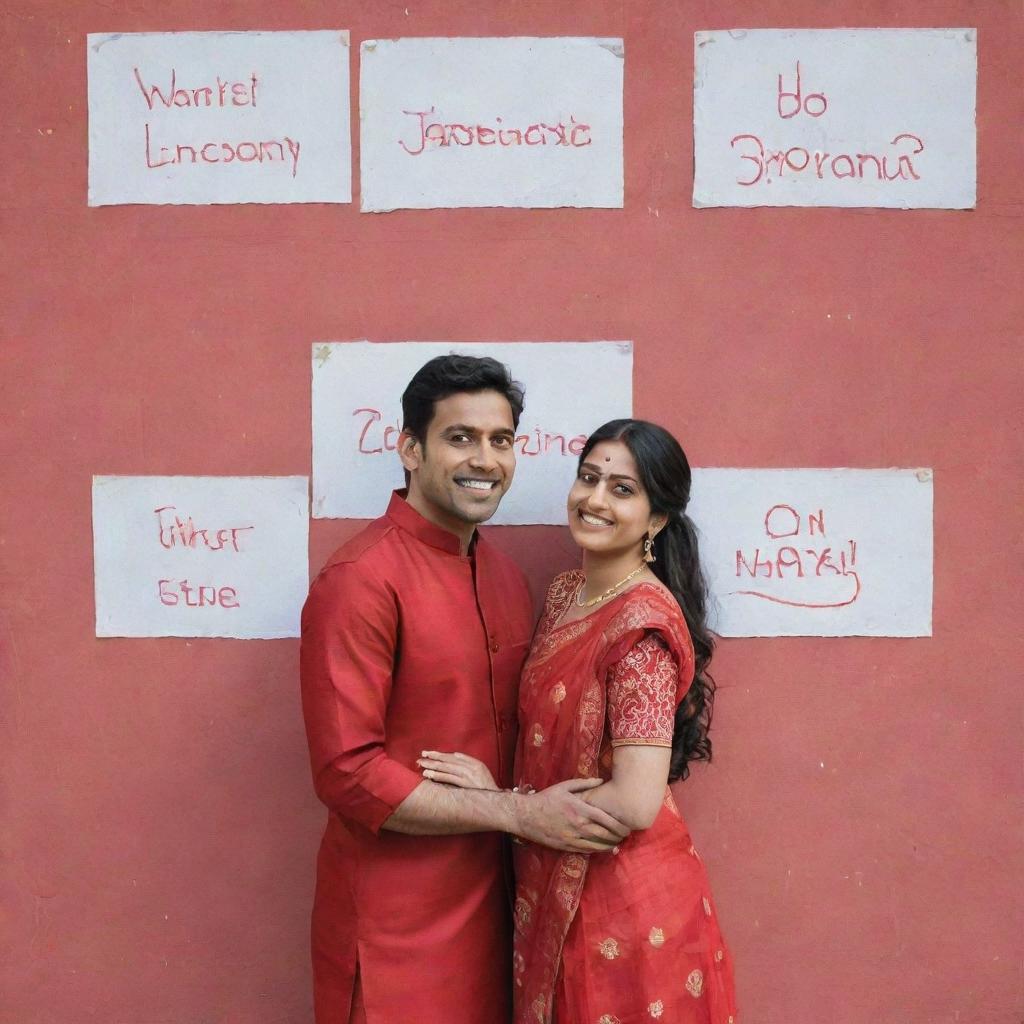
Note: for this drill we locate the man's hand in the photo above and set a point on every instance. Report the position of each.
(556, 817)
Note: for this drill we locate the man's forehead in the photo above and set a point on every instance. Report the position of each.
(483, 411)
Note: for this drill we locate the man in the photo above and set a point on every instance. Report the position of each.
(413, 637)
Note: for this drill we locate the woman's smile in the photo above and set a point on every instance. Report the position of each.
(594, 520)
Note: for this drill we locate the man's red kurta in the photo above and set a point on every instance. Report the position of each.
(407, 646)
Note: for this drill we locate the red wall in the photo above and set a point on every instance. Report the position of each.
(158, 828)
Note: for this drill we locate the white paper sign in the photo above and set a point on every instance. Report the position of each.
(219, 117)
(817, 552)
(839, 117)
(571, 389)
(490, 122)
(200, 556)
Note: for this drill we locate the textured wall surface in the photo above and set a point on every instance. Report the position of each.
(158, 829)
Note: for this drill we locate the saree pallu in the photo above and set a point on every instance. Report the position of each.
(613, 938)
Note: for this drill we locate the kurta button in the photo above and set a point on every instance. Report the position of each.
(495, 646)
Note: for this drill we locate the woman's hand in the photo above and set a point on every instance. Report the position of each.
(456, 770)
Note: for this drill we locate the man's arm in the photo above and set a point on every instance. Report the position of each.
(557, 817)
(349, 635)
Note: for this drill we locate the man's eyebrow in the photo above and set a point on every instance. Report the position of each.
(465, 428)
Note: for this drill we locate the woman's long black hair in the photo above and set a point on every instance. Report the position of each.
(665, 475)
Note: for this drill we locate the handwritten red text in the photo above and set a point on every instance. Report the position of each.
(242, 94)
(173, 592)
(792, 562)
(789, 104)
(374, 437)
(173, 531)
(796, 160)
(431, 134)
(220, 93)
(762, 162)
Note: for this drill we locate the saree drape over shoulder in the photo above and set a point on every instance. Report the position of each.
(630, 937)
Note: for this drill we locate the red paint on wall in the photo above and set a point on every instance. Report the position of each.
(158, 827)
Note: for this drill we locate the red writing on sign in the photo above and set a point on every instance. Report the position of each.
(220, 93)
(173, 592)
(376, 437)
(789, 104)
(762, 163)
(434, 134)
(264, 151)
(794, 561)
(173, 531)
(796, 160)
(843, 165)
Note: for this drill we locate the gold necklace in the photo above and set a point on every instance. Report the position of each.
(610, 591)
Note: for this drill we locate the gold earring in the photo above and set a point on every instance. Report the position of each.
(649, 550)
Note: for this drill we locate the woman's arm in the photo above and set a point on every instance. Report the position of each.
(636, 791)
(641, 707)
(558, 816)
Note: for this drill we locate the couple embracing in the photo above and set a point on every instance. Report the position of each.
(441, 723)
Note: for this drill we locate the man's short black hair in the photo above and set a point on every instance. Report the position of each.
(449, 375)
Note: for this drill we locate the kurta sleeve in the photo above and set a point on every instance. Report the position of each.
(642, 695)
(349, 635)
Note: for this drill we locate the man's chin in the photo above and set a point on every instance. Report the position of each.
(477, 511)
(480, 515)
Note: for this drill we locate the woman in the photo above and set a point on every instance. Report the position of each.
(616, 685)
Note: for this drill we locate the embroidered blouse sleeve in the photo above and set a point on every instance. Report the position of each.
(642, 695)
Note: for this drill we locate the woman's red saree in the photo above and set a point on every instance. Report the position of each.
(613, 938)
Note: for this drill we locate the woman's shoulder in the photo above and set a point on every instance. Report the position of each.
(649, 607)
(565, 582)
(561, 590)
(649, 600)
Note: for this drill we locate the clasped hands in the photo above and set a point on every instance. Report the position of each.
(559, 817)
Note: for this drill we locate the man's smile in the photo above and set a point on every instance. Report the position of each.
(476, 483)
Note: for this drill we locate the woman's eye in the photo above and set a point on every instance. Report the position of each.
(623, 490)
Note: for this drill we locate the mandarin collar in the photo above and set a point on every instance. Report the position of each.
(407, 518)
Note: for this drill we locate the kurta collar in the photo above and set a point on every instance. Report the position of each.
(406, 517)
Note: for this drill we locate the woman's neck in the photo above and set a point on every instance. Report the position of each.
(604, 571)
